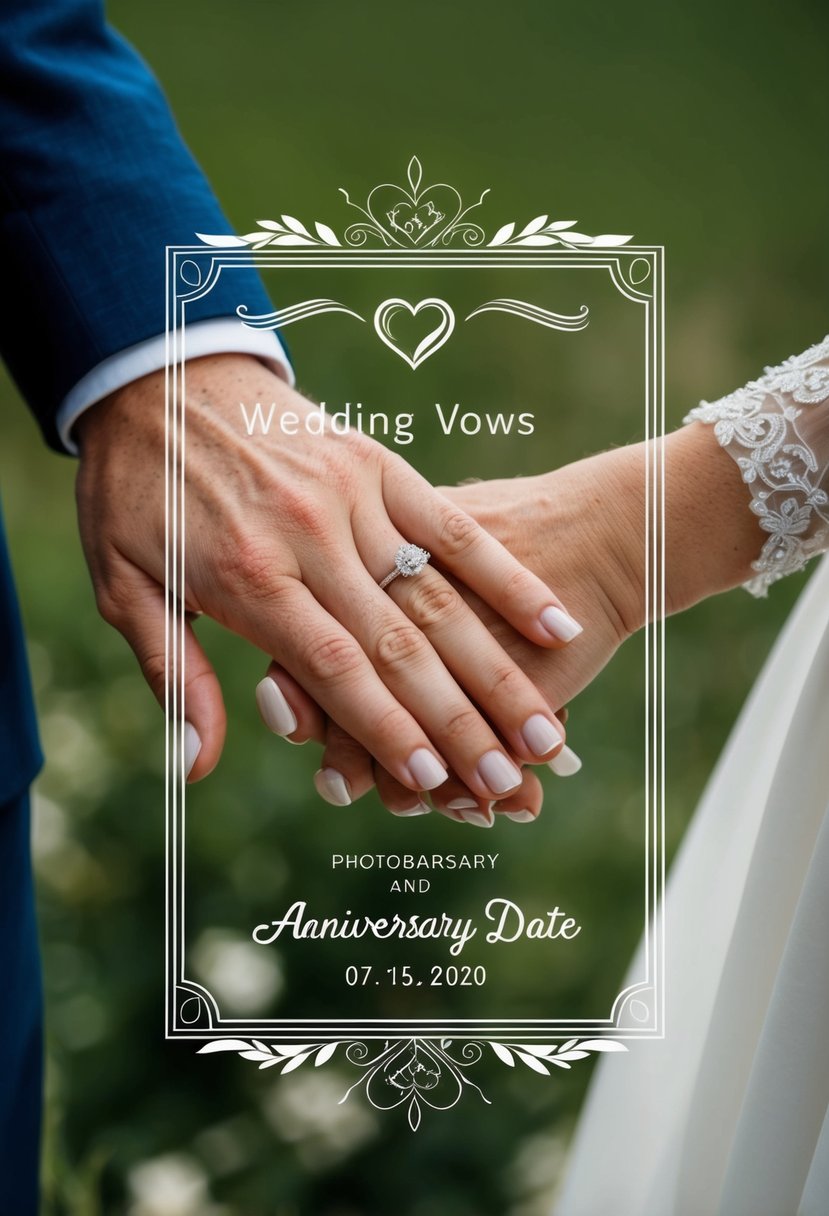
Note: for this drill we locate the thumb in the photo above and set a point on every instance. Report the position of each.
(138, 612)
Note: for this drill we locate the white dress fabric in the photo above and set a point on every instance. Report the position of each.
(729, 1114)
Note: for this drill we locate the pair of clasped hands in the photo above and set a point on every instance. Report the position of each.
(446, 686)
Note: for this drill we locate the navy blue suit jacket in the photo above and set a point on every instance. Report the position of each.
(94, 182)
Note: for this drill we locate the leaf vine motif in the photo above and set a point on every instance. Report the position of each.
(414, 216)
(287, 231)
(414, 1073)
(538, 1055)
(542, 232)
(289, 1055)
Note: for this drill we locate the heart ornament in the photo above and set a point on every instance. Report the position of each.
(418, 218)
(412, 350)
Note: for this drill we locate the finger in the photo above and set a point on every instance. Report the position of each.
(346, 771)
(410, 668)
(287, 710)
(475, 557)
(135, 604)
(515, 707)
(565, 763)
(456, 801)
(286, 620)
(524, 805)
(396, 798)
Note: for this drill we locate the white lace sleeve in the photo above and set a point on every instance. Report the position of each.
(777, 430)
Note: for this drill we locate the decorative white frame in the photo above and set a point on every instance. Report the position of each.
(427, 1070)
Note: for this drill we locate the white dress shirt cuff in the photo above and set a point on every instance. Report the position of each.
(215, 336)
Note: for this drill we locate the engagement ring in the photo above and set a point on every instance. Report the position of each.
(408, 560)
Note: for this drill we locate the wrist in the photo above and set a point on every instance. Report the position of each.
(212, 384)
(711, 535)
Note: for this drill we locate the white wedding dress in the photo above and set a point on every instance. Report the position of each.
(729, 1115)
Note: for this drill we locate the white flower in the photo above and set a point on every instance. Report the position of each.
(780, 467)
(791, 520)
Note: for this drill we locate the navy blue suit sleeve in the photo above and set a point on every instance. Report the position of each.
(95, 180)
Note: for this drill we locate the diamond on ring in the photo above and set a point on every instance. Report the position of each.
(408, 561)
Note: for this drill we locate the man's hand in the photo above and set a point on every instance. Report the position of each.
(286, 537)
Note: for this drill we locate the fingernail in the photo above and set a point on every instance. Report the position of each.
(420, 809)
(560, 624)
(462, 804)
(520, 816)
(332, 787)
(425, 770)
(479, 819)
(540, 735)
(192, 747)
(566, 763)
(498, 773)
(275, 710)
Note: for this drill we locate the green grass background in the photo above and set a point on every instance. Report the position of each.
(700, 126)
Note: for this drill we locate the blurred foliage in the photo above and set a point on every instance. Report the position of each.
(685, 124)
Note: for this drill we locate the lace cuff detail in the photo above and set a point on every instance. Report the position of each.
(777, 430)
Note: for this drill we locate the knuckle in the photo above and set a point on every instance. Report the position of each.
(199, 678)
(111, 603)
(431, 601)
(519, 584)
(394, 728)
(248, 560)
(105, 604)
(154, 667)
(458, 533)
(306, 513)
(507, 682)
(460, 725)
(397, 646)
(252, 563)
(332, 657)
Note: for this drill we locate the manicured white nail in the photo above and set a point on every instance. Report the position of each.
(498, 773)
(332, 787)
(425, 770)
(540, 735)
(420, 809)
(192, 747)
(480, 819)
(275, 710)
(566, 763)
(520, 816)
(560, 624)
(462, 804)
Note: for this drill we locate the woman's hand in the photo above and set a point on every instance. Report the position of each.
(287, 535)
(582, 527)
